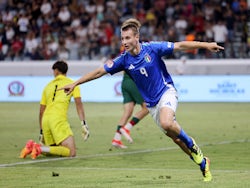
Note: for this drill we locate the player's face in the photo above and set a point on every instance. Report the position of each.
(129, 40)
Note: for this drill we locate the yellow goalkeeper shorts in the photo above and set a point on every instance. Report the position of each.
(55, 129)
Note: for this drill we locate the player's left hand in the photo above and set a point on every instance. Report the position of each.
(214, 47)
(85, 130)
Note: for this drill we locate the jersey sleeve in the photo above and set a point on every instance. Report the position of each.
(77, 92)
(43, 100)
(162, 47)
(115, 65)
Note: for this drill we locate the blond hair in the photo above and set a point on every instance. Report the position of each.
(131, 23)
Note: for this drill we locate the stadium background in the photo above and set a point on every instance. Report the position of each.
(222, 129)
(86, 32)
(90, 29)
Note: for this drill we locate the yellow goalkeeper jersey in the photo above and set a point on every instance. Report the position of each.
(57, 102)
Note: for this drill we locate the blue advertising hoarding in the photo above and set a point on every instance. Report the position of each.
(227, 88)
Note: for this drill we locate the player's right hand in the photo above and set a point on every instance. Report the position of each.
(68, 88)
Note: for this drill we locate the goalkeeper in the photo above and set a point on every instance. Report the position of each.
(56, 136)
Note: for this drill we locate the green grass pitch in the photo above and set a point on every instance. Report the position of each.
(153, 161)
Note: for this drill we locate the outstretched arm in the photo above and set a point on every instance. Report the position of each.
(190, 45)
(97, 73)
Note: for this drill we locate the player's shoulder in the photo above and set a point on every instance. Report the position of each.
(159, 44)
(146, 44)
(69, 79)
(124, 53)
(120, 56)
(62, 80)
(151, 44)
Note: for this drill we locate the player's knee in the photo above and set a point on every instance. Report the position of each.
(72, 153)
(167, 125)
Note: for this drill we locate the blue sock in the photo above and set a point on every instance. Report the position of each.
(185, 138)
(202, 165)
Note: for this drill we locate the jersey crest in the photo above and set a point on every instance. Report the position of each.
(147, 58)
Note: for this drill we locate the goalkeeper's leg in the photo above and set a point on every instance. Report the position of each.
(70, 144)
(65, 149)
(51, 150)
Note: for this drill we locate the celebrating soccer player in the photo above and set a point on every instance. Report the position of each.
(143, 62)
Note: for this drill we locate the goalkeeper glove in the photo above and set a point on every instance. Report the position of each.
(85, 130)
(41, 138)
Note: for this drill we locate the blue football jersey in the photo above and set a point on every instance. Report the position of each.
(147, 69)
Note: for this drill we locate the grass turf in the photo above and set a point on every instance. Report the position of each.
(221, 130)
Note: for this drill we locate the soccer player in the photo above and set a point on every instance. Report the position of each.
(143, 62)
(56, 136)
(131, 97)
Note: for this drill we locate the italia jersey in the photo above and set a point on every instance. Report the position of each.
(147, 69)
(57, 102)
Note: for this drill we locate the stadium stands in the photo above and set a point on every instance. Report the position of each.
(89, 29)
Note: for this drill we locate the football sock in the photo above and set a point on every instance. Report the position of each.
(118, 128)
(117, 136)
(203, 164)
(185, 138)
(132, 122)
(45, 149)
(60, 150)
(118, 133)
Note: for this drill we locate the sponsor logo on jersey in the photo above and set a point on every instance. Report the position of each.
(131, 67)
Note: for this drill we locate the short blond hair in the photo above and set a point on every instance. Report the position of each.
(131, 23)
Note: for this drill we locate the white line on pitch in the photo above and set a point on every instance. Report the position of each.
(114, 154)
(141, 169)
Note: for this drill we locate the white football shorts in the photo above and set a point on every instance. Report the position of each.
(170, 100)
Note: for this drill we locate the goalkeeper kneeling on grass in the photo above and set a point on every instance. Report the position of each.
(56, 136)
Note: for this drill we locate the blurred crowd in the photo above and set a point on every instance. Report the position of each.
(90, 29)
